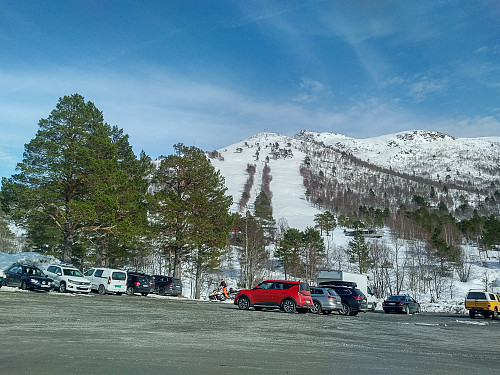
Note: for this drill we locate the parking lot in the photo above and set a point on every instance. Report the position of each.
(53, 333)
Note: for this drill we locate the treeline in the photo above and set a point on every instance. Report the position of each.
(82, 195)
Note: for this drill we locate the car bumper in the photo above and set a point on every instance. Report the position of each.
(78, 288)
(398, 309)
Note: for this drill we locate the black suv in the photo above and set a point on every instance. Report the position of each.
(27, 277)
(353, 300)
(139, 283)
(167, 285)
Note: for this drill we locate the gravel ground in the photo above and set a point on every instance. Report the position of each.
(53, 333)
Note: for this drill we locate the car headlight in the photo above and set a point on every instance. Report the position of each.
(34, 281)
(72, 281)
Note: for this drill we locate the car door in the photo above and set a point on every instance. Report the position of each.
(262, 294)
(11, 276)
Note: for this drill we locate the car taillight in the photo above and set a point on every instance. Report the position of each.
(109, 280)
(137, 283)
(331, 297)
(401, 304)
(383, 303)
(357, 297)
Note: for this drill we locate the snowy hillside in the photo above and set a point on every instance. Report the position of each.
(436, 156)
(288, 192)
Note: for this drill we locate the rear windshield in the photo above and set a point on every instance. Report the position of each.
(119, 276)
(476, 295)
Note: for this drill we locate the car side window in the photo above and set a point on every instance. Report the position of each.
(98, 273)
(266, 285)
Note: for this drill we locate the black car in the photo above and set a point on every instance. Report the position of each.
(167, 285)
(401, 304)
(139, 283)
(27, 277)
(353, 299)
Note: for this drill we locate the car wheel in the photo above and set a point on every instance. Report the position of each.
(316, 308)
(130, 291)
(101, 290)
(243, 303)
(289, 306)
(23, 285)
(62, 287)
(374, 305)
(161, 291)
(407, 310)
(346, 310)
(494, 315)
(472, 314)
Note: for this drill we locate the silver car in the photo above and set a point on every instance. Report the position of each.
(325, 300)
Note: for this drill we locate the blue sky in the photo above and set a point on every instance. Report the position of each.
(210, 73)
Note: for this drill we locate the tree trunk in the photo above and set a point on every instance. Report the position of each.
(68, 243)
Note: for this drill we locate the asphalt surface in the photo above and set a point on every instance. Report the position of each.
(53, 333)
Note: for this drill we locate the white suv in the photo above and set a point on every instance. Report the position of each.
(106, 280)
(68, 278)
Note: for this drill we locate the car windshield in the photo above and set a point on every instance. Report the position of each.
(72, 272)
(34, 271)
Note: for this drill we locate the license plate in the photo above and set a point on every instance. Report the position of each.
(44, 286)
(118, 286)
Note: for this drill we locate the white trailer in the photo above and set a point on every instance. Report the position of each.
(360, 279)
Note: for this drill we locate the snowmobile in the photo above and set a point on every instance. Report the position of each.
(219, 294)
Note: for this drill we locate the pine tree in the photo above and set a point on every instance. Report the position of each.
(70, 184)
(358, 252)
(189, 208)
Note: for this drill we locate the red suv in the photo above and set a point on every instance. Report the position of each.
(289, 296)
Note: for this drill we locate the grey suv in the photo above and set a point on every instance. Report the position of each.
(325, 300)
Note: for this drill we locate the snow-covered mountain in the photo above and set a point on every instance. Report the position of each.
(436, 156)
(462, 171)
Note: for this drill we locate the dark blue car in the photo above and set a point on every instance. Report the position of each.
(27, 277)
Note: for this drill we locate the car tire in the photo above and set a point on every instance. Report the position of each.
(316, 308)
(472, 314)
(346, 310)
(289, 306)
(130, 291)
(161, 291)
(101, 290)
(407, 310)
(243, 303)
(62, 287)
(23, 285)
(494, 315)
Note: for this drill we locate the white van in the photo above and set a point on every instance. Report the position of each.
(107, 280)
